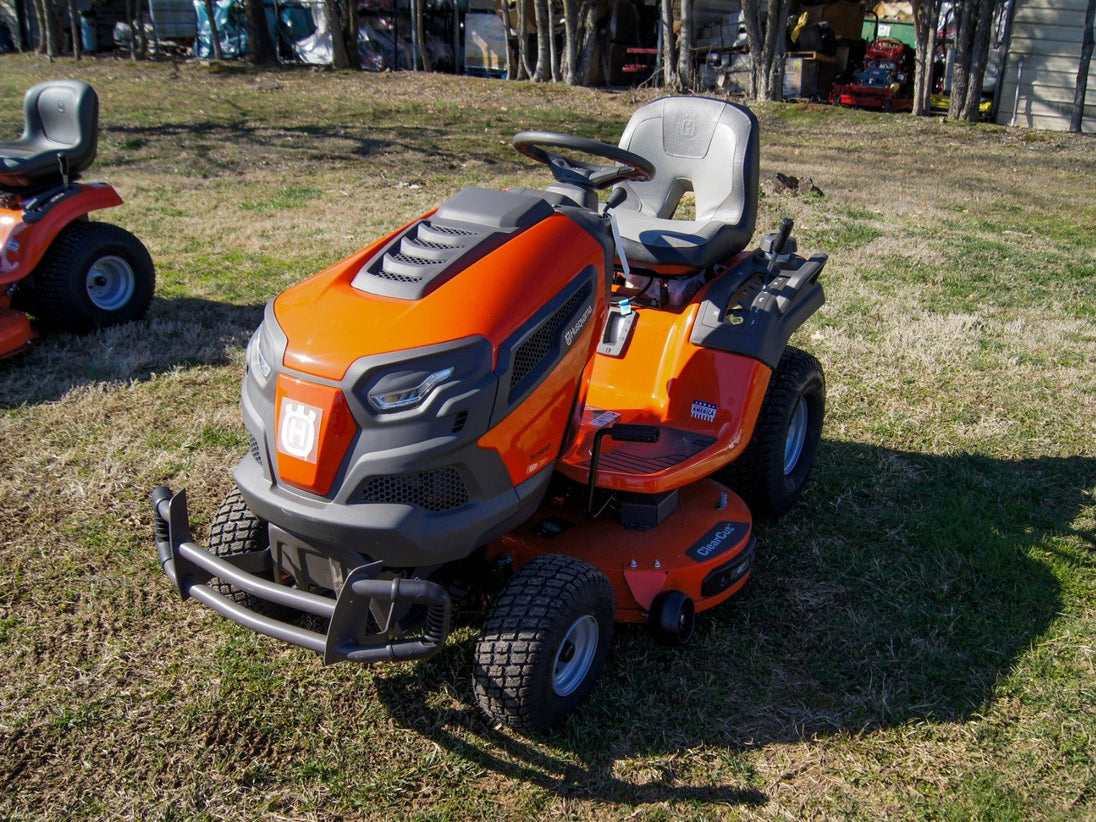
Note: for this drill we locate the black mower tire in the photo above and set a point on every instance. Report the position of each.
(236, 530)
(672, 618)
(94, 275)
(544, 643)
(767, 476)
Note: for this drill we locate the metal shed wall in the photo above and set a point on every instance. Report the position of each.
(1046, 37)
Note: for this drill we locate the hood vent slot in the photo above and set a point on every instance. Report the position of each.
(431, 251)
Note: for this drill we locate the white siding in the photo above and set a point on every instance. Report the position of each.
(1046, 35)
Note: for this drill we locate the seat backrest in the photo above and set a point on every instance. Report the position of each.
(63, 116)
(698, 144)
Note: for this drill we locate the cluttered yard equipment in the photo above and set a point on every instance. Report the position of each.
(883, 81)
(55, 263)
(561, 411)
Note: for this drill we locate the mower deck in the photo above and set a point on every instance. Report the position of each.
(15, 332)
(704, 549)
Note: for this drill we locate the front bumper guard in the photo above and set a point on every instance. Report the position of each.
(190, 567)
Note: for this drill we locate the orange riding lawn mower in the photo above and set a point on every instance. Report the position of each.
(55, 263)
(557, 410)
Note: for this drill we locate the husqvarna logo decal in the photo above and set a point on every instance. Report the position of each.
(579, 324)
(299, 429)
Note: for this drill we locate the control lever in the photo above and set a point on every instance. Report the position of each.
(779, 243)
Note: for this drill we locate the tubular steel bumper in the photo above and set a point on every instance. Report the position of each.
(190, 567)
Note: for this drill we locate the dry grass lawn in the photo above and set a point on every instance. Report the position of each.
(917, 641)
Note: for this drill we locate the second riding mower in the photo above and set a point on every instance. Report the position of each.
(54, 262)
(884, 80)
(558, 410)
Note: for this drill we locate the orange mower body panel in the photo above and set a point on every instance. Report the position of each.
(705, 550)
(705, 401)
(26, 235)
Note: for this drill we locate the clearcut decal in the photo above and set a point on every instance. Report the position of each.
(299, 429)
(719, 539)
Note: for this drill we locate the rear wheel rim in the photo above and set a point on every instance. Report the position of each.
(575, 655)
(797, 435)
(110, 283)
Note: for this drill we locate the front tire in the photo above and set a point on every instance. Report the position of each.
(94, 275)
(772, 472)
(236, 530)
(544, 643)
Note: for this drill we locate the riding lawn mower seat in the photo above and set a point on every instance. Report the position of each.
(60, 135)
(697, 144)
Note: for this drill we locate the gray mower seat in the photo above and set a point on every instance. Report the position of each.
(60, 135)
(698, 144)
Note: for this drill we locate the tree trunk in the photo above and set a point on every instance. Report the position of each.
(543, 70)
(590, 48)
(339, 57)
(776, 46)
(74, 27)
(259, 46)
(140, 46)
(979, 57)
(47, 42)
(1077, 120)
(420, 35)
(214, 35)
(666, 34)
(686, 64)
(965, 22)
(767, 34)
(926, 19)
(553, 46)
(352, 56)
(525, 71)
(570, 42)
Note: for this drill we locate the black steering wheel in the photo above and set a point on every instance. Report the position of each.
(628, 166)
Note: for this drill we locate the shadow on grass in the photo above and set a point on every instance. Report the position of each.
(902, 589)
(176, 333)
(288, 143)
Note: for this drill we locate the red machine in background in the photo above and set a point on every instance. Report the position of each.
(884, 80)
(55, 263)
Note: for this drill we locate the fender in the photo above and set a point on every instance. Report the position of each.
(26, 233)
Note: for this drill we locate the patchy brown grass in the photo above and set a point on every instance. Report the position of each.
(917, 640)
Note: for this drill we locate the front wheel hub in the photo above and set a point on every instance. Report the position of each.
(575, 655)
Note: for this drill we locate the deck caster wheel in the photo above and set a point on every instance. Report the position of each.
(672, 618)
(544, 643)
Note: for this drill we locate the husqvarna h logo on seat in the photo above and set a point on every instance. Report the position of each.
(299, 429)
(688, 128)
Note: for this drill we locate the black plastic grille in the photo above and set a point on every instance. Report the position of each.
(419, 242)
(442, 489)
(409, 259)
(530, 353)
(256, 452)
(395, 276)
(450, 230)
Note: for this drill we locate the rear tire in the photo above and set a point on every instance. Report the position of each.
(93, 275)
(544, 643)
(772, 472)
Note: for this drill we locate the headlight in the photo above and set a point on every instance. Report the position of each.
(261, 363)
(261, 354)
(394, 394)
